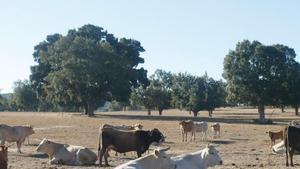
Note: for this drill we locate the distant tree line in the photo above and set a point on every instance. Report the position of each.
(88, 66)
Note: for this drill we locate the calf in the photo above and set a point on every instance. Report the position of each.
(124, 141)
(275, 136)
(216, 129)
(3, 157)
(185, 127)
(158, 160)
(198, 160)
(16, 134)
(291, 142)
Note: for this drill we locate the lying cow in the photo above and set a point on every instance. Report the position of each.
(216, 129)
(124, 127)
(158, 160)
(201, 127)
(291, 142)
(66, 154)
(123, 141)
(198, 160)
(16, 134)
(275, 136)
(185, 127)
(3, 157)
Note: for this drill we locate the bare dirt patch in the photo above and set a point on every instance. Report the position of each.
(243, 144)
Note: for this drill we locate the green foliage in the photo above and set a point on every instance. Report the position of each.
(85, 66)
(24, 97)
(194, 93)
(255, 73)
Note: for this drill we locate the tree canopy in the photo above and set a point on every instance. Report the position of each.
(87, 65)
(255, 73)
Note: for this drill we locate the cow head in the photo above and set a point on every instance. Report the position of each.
(157, 136)
(43, 146)
(211, 155)
(138, 126)
(164, 160)
(29, 130)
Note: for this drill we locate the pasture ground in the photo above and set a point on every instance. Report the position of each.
(243, 144)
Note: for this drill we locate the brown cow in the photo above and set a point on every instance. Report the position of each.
(16, 134)
(185, 127)
(275, 136)
(3, 157)
(291, 142)
(123, 141)
(216, 129)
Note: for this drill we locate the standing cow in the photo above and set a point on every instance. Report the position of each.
(185, 127)
(123, 141)
(216, 129)
(292, 143)
(16, 134)
(201, 127)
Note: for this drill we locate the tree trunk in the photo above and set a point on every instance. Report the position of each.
(86, 109)
(210, 113)
(90, 106)
(261, 111)
(160, 110)
(282, 109)
(195, 113)
(296, 110)
(190, 112)
(149, 112)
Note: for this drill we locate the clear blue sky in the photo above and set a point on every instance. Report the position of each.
(179, 36)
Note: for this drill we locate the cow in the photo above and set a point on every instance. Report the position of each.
(124, 127)
(3, 157)
(275, 136)
(185, 127)
(216, 130)
(66, 154)
(291, 142)
(201, 127)
(158, 160)
(123, 141)
(200, 159)
(16, 134)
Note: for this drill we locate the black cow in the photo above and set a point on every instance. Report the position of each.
(124, 141)
(291, 142)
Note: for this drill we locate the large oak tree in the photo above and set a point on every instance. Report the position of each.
(87, 65)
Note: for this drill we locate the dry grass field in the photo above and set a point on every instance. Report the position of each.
(243, 144)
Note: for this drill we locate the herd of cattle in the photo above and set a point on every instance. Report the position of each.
(122, 139)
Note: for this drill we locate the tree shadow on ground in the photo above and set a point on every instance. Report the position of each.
(222, 141)
(229, 120)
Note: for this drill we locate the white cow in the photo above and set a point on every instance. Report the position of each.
(158, 160)
(201, 127)
(198, 160)
(16, 134)
(66, 154)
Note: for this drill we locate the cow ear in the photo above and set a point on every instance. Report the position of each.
(156, 152)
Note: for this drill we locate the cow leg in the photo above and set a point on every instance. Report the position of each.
(19, 143)
(2, 143)
(185, 136)
(139, 154)
(106, 158)
(101, 153)
(291, 152)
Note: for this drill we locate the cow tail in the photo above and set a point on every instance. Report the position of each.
(287, 147)
(99, 141)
